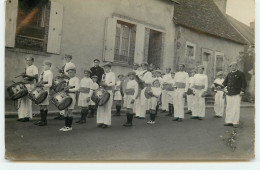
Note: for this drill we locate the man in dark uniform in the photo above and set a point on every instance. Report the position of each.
(236, 86)
(97, 70)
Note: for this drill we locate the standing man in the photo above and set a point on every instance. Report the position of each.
(97, 71)
(30, 76)
(200, 86)
(64, 73)
(165, 80)
(108, 83)
(236, 86)
(190, 96)
(181, 81)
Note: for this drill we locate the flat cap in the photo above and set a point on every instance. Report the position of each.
(96, 60)
(233, 63)
(107, 65)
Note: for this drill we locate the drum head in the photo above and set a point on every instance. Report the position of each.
(104, 99)
(147, 93)
(17, 90)
(59, 87)
(65, 103)
(42, 96)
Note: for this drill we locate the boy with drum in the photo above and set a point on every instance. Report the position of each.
(85, 93)
(71, 89)
(156, 92)
(92, 106)
(118, 94)
(108, 83)
(30, 76)
(45, 81)
(131, 93)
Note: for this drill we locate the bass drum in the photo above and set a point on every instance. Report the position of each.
(17, 90)
(38, 95)
(100, 96)
(61, 100)
(59, 83)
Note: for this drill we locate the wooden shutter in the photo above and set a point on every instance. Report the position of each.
(55, 28)
(139, 44)
(11, 10)
(110, 39)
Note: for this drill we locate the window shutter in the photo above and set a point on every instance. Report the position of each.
(10, 22)
(55, 28)
(110, 39)
(140, 44)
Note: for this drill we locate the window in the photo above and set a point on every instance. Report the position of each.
(190, 50)
(32, 25)
(124, 42)
(219, 63)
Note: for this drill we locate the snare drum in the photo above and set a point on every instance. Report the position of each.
(100, 96)
(148, 92)
(61, 100)
(38, 95)
(59, 83)
(17, 90)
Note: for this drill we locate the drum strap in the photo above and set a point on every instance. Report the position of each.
(198, 87)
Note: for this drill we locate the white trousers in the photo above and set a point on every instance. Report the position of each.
(25, 104)
(104, 112)
(233, 109)
(199, 104)
(178, 103)
(143, 106)
(190, 102)
(164, 100)
(219, 103)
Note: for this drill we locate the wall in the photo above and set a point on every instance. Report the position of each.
(203, 41)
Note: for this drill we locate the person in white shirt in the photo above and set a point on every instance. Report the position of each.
(144, 77)
(92, 106)
(170, 94)
(71, 89)
(200, 86)
(45, 82)
(30, 76)
(108, 83)
(165, 80)
(158, 74)
(181, 80)
(131, 93)
(219, 96)
(64, 73)
(118, 94)
(156, 92)
(85, 93)
(190, 96)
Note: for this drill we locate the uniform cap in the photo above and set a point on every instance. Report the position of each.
(131, 73)
(107, 64)
(87, 71)
(158, 71)
(233, 63)
(47, 62)
(96, 60)
(95, 76)
(71, 67)
(29, 58)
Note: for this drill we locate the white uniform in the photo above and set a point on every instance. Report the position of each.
(166, 78)
(104, 112)
(133, 85)
(157, 91)
(200, 85)
(73, 82)
(95, 86)
(46, 76)
(117, 95)
(170, 95)
(190, 98)
(86, 83)
(180, 80)
(219, 100)
(25, 109)
(141, 105)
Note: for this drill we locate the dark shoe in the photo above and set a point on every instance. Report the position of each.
(42, 124)
(100, 125)
(136, 116)
(105, 126)
(219, 116)
(180, 120)
(25, 120)
(61, 117)
(235, 125)
(82, 122)
(141, 118)
(127, 125)
(188, 112)
(200, 118)
(37, 123)
(19, 119)
(78, 121)
(194, 117)
(175, 119)
(163, 111)
(215, 116)
(228, 124)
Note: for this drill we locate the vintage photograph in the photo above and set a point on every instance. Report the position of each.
(129, 80)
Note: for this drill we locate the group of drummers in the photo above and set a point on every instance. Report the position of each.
(142, 89)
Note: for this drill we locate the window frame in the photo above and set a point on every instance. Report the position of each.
(190, 44)
(217, 53)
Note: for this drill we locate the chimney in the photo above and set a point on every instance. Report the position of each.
(222, 5)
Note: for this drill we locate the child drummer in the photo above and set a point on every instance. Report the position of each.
(92, 106)
(154, 100)
(131, 93)
(85, 95)
(71, 89)
(118, 94)
(45, 81)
